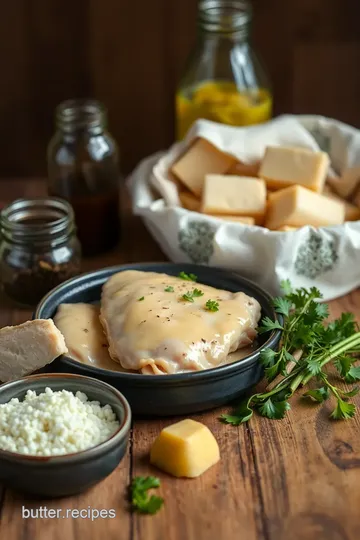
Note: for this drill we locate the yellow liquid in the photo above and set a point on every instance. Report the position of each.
(221, 102)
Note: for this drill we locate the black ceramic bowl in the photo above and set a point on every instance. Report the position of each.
(63, 475)
(165, 395)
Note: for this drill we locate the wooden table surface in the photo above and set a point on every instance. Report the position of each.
(298, 478)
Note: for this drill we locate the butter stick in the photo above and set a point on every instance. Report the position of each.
(200, 159)
(297, 206)
(283, 167)
(234, 195)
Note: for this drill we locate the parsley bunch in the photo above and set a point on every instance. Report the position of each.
(304, 330)
(140, 499)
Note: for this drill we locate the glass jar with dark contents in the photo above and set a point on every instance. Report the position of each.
(39, 248)
(83, 168)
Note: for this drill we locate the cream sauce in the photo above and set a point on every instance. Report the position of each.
(151, 328)
(84, 335)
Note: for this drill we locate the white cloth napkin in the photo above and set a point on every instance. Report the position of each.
(328, 258)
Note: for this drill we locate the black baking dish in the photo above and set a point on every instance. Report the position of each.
(165, 395)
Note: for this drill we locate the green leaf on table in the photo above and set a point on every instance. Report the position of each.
(343, 364)
(140, 499)
(343, 410)
(313, 366)
(241, 414)
(273, 409)
(351, 393)
(353, 374)
(318, 394)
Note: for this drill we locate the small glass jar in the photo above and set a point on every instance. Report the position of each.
(224, 80)
(83, 168)
(39, 248)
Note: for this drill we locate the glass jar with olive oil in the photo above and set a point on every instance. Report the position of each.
(224, 80)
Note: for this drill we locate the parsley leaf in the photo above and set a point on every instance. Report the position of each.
(307, 345)
(273, 409)
(212, 305)
(268, 324)
(353, 374)
(141, 299)
(169, 289)
(352, 393)
(318, 394)
(187, 277)
(313, 366)
(282, 305)
(190, 295)
(141, 501)
(267, 357)
(343, 410)
(343, 364)
(241, 414)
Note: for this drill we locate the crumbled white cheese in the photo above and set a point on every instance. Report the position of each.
(54, 423)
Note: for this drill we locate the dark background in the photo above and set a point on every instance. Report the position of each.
(130, 54)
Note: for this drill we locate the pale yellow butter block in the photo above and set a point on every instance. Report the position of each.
(189, 201)
(282, 167)
(234, 195)
(347, 184)
(185, 449)
(352, 212)
(200, 159)
(297, 206)
(245, 220)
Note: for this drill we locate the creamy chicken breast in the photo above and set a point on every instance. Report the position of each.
(84, 336)
(152, 327)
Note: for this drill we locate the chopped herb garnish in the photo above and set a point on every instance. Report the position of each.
(187, 277)
(190, 295)
(304, 331)
(169, 289)
(212, 305)
(140, 499)
(141, 299)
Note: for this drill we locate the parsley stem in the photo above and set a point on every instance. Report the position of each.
(336, 350)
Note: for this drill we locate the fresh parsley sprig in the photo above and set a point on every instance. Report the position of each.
(190, 295)
(212, 305)
(304, 330)
(141, 501)
(187, 277)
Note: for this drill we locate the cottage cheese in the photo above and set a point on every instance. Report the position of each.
(54, 423)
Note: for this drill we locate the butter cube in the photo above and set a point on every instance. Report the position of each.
(282, 167)
(297, 206)
(185, 449)
(234, 195)
(200, 159)
(352, 212)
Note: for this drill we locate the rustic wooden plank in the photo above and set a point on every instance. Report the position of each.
(224, 502)
(316, 89)
(129, 69)
(110, 494)
(275, 48)
(309, 467)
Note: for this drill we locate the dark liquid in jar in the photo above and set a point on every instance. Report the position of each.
(97, 218)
